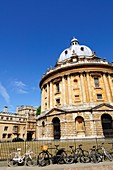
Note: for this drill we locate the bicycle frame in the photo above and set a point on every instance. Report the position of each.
(26, 159)
(45, 157)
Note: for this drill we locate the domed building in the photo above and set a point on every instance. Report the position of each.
(77, 96)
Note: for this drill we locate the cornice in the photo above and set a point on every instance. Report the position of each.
(75, 69)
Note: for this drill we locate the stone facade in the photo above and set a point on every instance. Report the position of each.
(77, 96)
(21, 124)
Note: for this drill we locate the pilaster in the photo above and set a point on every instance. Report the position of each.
(63, 92)
(69, 90)
(82, 88)
(89, 87)
(51, 94)
(106, 88)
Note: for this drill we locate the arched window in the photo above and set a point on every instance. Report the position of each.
(96, 82)
(107, 125)
(43, 128)
(66, 52)
(43, 124)
(57, 87)
(82, 48)
(56, 128)
(75, 80)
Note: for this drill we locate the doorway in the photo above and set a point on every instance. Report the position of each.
(56, 128)
(29, 136)
(107, 126)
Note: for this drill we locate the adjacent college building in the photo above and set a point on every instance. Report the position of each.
(77, 96)
(19, 126)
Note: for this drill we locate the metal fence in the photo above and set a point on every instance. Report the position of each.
(7, 147)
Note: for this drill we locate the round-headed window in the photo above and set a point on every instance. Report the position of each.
(43, 124)
(66, 52)
(82, 48)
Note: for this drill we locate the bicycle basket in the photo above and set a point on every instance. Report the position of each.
(44, 147)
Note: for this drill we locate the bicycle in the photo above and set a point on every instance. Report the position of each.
(77, 155)
(94, 155)
(15, 158)
(104, 153)
(45, 157)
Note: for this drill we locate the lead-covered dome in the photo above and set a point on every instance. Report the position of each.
(75, 49)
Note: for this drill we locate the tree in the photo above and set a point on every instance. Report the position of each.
(38, 111)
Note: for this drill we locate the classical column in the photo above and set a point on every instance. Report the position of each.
(89, 87)
(111, 86)
(63, 92)
(69, 90)
(106, 87)
(42, 100)
(51, 94)
(48, 96)
(82, 88)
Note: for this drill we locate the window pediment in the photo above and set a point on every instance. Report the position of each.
(95, 74)
(57, 80)
(103, 106)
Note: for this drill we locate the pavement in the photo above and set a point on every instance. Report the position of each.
(78, 166)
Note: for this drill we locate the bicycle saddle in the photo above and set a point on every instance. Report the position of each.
(71, 146)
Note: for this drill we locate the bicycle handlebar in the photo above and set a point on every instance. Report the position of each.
(80, 145)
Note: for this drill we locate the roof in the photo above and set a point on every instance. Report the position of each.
(75, 49)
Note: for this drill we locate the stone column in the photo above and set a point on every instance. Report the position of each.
(48, 97)
(89, 87)
(51, 94)
(106, 87)
(111, 86)
(42, 99)
(82, 88)
(69, 90)
(63, 92)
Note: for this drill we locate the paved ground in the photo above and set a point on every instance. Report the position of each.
(78, 166)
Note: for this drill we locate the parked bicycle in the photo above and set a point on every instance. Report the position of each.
(15, 158)
(45, 157)
(104, 153)
(77, 155)
(94, 155)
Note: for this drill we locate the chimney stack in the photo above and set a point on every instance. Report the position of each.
(5, 109)
(17, 109)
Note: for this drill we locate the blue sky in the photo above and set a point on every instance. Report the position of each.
(33, 33)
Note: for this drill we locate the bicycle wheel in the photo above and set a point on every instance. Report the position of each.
(85, 153)
(11, 161)
(62, 157)
(84, 159)
(96, 158)
(111, 153)
(43, 159)
(31, 160)
(69, 159)
(109, 156)
(84, 156)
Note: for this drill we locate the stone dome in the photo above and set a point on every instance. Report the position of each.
(75, 49)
